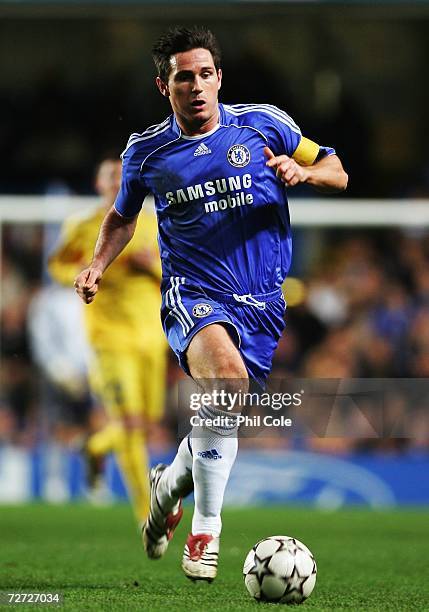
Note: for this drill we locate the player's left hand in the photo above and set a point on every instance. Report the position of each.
(287, 170)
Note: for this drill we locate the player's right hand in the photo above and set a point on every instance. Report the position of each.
(86, 284)
(286, 168)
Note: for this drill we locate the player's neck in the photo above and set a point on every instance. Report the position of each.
(198, 129)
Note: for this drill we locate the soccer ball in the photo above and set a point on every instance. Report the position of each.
(280, 569)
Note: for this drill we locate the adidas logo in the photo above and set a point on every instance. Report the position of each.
(202, 149)
(209, 454)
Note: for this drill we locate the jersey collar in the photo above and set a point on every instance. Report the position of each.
(178, 132)
(201, 136)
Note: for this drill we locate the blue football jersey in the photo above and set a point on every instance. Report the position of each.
(222, 214)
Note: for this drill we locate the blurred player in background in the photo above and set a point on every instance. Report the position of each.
(218, 173)
(127, 371)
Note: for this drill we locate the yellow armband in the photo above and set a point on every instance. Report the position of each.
(306, 152)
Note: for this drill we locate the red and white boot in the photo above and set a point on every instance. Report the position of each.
(200, 557)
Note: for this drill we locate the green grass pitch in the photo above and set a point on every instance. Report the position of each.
(366, 560)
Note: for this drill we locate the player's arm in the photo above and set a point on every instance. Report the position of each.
(325, 174)
(115, 233)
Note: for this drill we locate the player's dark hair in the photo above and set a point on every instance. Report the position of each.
(177, 40)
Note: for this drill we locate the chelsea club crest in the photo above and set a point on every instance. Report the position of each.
(202, 310)
(238, 155)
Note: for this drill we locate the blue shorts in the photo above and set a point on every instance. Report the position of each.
(255, 323)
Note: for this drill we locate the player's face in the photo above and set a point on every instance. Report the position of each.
(108, 179)
(193, 86)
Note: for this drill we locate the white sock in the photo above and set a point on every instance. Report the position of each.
(176, 480)
(214, 450)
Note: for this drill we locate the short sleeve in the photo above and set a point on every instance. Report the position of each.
(281, 130)
(324, 152)
(284, 137)
(132, 191)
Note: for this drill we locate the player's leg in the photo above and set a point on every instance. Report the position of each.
(152, 384)
(118, 387)
(166, 501)
(132, 457)
(230, 373)
(187, 317)
(104, 433)
(215, 362)
(97, 445)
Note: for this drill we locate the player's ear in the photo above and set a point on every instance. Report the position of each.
(163, 87)
(219, 78)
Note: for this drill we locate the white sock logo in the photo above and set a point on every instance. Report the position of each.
(209, 454)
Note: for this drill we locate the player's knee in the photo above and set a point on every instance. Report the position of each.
(231, 366)
(234, 386)
(230, 377)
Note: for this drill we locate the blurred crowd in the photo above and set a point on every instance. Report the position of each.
(360, 309)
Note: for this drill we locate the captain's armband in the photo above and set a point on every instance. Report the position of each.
(306, 152)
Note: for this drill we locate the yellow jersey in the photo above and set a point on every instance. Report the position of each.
(125, 313)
